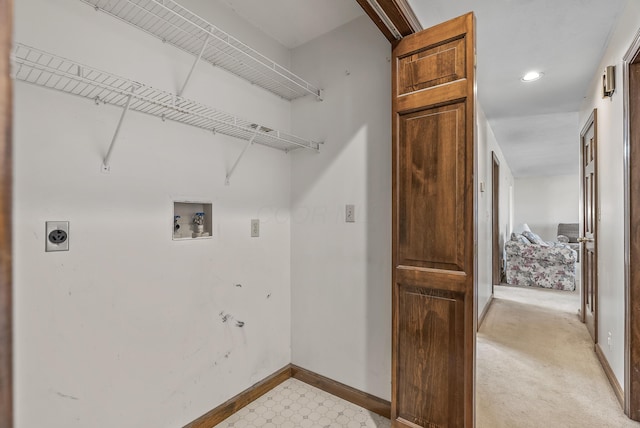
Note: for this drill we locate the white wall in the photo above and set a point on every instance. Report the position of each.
(341, 272)
(610, 188)
(543, 202)
(225, 17)
(124, 330)
(487, 144)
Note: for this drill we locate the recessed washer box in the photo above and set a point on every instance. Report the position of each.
(192, 220)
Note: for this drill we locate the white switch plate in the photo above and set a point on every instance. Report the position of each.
(255, 228)
(56, 236)
(350, 214)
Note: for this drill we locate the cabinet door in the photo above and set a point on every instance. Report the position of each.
(434, 310)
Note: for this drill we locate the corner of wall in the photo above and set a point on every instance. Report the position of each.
(341, 272)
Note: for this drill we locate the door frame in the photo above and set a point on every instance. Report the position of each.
(394, 18)
(591, 121)
(496, 265)
(631, 157)
(6, 309)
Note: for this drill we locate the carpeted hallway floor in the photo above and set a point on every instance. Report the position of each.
(536, 366)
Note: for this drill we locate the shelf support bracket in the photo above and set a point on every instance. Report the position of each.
(193, 67)
(233, 168)
(107, 158)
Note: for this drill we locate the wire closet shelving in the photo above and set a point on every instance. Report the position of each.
(182, 28)
(41, 68)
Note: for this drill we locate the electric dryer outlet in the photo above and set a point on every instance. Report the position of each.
(57, 236)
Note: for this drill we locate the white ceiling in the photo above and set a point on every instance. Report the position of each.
(295, 22)
(536, 124)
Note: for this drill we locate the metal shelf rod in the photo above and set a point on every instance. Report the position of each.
(235, 164)
(193, 67)
(180, 27)
(43, 69)
(107, 158)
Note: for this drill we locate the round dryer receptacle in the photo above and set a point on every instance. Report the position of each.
(57, 236)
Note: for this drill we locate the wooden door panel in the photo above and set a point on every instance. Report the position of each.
(592, 208)
(446, 280)
(589, 284)
(431, 211)
(432, 66)
(588, 217)
(448, 93)
(434, 146)
(429, 334)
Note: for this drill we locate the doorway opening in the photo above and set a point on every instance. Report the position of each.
(588, 208)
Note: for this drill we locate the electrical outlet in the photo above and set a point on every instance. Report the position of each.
(350, 214)
(609, 340)
(255, 228)
(56, 236)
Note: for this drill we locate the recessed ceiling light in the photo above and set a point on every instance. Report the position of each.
(532, 76)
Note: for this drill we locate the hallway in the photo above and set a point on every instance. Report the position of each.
(536, 366)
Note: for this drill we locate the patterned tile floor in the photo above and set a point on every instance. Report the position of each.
(294, 404)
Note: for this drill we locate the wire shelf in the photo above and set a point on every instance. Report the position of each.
(176, 25)
(45, 69)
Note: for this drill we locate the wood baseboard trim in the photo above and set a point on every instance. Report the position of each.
(485, 311)
(232, 405)
(355, 396)
(617, 389)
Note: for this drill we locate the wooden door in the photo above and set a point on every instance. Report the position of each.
(6, 341)
(589, 145)
(631, 91)
(495, 222)
(434, 310)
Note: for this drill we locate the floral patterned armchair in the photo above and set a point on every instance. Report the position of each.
(542, 264)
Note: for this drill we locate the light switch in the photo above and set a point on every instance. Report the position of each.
(350, 214)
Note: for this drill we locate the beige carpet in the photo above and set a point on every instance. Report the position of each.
(536, 366)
